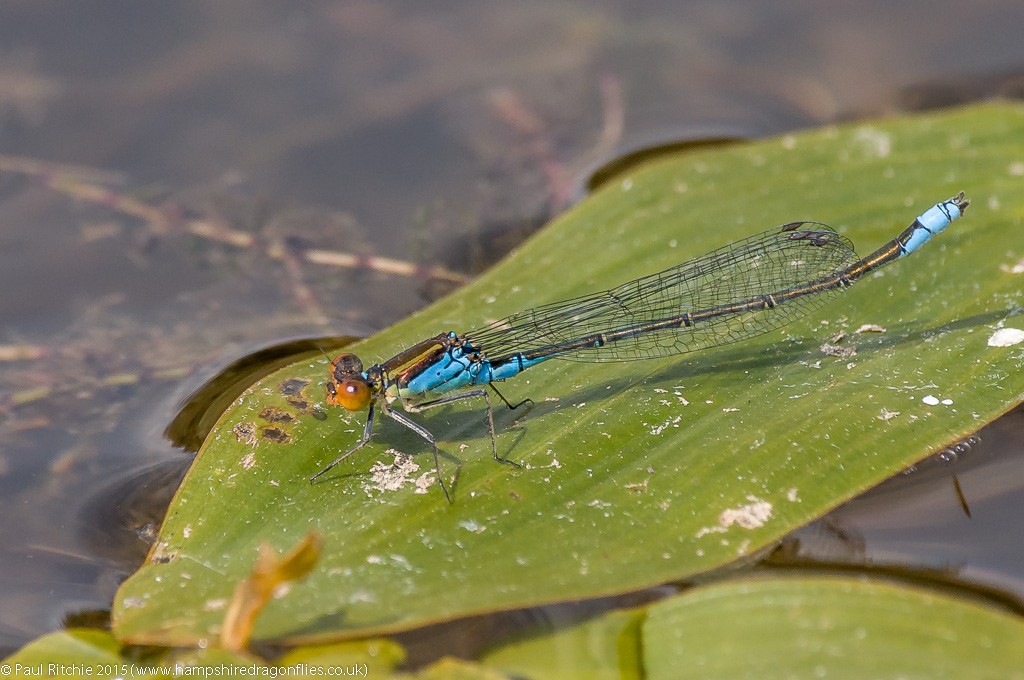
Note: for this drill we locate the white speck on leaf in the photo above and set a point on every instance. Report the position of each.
(1006, 337)
(751, 515)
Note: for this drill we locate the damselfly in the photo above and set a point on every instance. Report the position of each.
(746, 288)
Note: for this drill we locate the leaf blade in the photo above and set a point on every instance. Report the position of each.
(643, 472)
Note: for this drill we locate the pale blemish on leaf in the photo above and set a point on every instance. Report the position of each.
(751, 515)
(1006, 337)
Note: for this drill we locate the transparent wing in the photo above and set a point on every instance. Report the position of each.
(776, 262)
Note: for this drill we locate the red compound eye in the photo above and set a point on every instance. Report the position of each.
(351, 393)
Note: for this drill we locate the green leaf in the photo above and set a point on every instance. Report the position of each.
(454, 669)
(635, 473)
(607, 646)
(81, 646)
(828, 627)
(376, 657)
(789, 626)
(81, 652)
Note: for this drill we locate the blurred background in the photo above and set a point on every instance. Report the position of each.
(184, 185)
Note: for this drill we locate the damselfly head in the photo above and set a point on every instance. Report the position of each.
(347, 387)
(346, 364)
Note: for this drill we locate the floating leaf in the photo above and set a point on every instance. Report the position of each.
(369, 658)
(80, 653)
(637, 473)
(829, 627)
(607, 646)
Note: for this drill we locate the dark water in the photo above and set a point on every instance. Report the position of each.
(166, 169)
